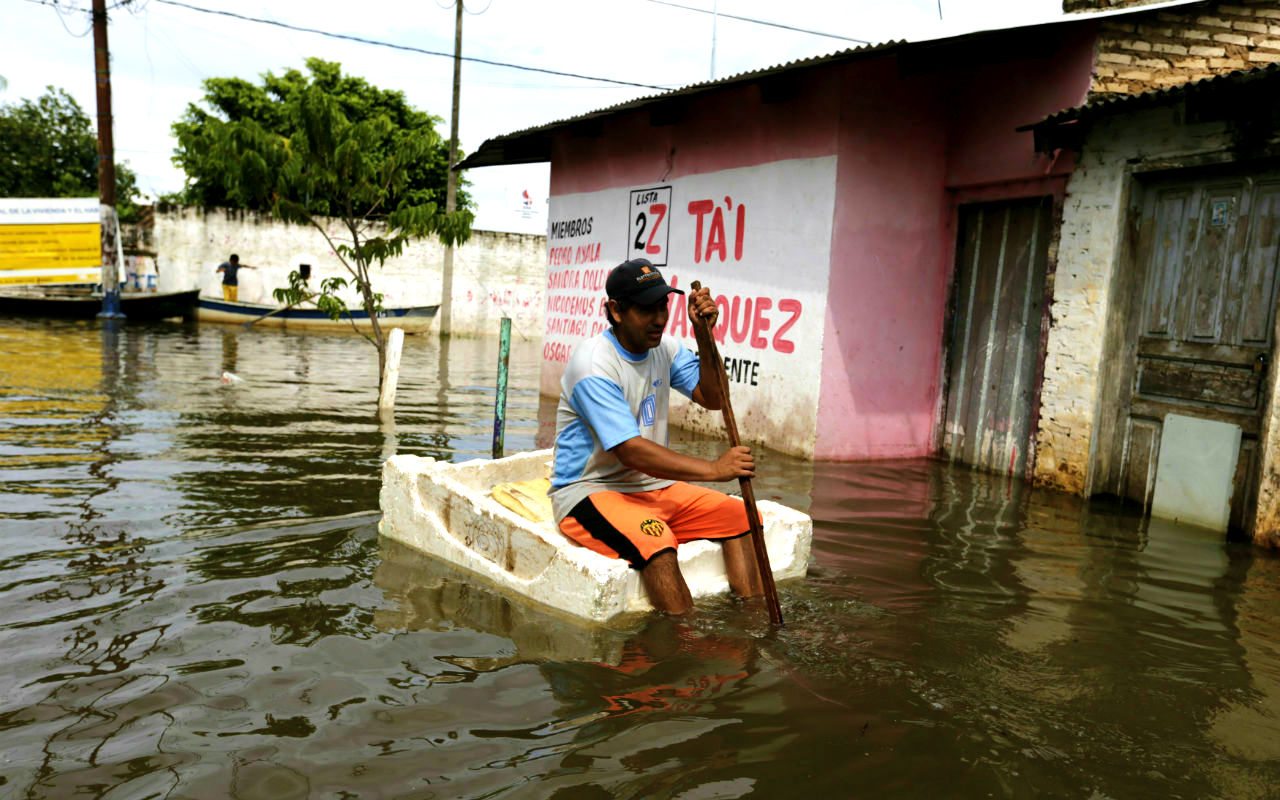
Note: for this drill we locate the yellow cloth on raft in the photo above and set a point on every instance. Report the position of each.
(526, 498)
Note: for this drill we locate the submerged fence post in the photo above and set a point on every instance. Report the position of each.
(391, 370)
(500, 407)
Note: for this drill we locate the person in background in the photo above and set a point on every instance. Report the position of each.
(230, 281)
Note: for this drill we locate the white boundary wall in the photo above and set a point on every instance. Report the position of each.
(494, 273)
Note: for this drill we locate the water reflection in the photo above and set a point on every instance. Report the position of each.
(1247, 724)
(628, 698)
(194, 602)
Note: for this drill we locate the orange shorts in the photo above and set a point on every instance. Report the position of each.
(637, 526)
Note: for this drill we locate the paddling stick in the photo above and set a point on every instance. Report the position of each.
(275, 311)
(707, 339)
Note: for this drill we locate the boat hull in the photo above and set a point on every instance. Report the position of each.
(411, 319)
(444, 510)
(136, 306)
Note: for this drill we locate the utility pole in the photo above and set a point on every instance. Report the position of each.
(451, 190)
(106, 165)
(715, 19)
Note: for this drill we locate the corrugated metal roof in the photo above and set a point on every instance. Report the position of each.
(1118, 103)
(494, 151)
(533, 145)
(1109, 105)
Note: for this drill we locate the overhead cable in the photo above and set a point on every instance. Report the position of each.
(756, 22)
(404, 47)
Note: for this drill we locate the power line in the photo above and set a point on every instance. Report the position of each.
(754, 22)
(394, 46)
(57, 10)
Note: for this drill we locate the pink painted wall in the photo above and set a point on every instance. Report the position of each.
(912, 137)
(724, 130)
(984, 145)
(909, 136)
(883, 328)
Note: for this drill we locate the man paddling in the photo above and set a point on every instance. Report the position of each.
(616, 487)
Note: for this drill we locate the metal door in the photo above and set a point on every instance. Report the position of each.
(1206, 292)
(995, 353)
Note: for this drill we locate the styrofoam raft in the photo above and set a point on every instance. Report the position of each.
(445, 510)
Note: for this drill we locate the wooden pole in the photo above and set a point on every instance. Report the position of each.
(707, 339)
(391, 370)
(106, 165)
(451, 180)
(500, 406)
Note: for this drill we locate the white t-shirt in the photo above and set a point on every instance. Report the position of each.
(607, 396)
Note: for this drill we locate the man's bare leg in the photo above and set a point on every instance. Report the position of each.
(740, 563)
(666, 587)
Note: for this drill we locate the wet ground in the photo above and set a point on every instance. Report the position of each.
(195, 603)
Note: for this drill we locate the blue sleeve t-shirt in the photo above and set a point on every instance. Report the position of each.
(607, 396)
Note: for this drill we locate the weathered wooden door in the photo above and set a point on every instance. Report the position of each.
(994, 352)
(1206, 290)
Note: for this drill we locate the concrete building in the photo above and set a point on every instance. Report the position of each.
(1170, 237)
(822, 202)
(881, 237)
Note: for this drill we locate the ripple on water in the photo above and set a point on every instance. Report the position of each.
(194, 602)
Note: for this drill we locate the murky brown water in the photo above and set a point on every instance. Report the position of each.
(194, 603)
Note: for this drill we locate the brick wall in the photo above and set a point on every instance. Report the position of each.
(495, 274)
(1156, 49)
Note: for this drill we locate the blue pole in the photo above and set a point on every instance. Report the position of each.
(110, 304)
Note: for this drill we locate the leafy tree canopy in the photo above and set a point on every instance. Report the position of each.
(362, 174)
(275, 108)
(50, 150)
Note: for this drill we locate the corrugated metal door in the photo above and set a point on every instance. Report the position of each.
(994, 352)
(1207, 250)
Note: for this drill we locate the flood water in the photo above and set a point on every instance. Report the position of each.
(195, 603)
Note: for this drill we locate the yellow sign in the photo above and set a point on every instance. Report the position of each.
(50, 240)
(46, 246)
(25, 278)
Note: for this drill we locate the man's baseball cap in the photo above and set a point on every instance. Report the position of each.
(638, 281)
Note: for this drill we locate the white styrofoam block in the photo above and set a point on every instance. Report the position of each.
(1195, 470)
(445, 510)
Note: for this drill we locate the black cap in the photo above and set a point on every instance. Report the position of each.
(637, 281)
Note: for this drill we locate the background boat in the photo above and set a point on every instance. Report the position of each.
(75, 302)
(412, 319)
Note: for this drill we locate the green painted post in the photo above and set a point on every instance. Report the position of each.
(500, 407)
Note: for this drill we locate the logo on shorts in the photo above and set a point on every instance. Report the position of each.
(652, 527)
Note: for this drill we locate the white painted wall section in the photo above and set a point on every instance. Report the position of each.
(495, 274)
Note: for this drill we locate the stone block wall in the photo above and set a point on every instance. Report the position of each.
(1157, 49)
(494, 273)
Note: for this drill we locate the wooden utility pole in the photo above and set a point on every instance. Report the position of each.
(451, 184)
(106, 164)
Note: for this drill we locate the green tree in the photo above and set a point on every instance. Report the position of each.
(271, 105)
(359, 172)
(50, 150)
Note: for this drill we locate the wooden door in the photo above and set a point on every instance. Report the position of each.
(994, 353)
(1206, 294)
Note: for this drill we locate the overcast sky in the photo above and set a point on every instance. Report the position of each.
(161, 52)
